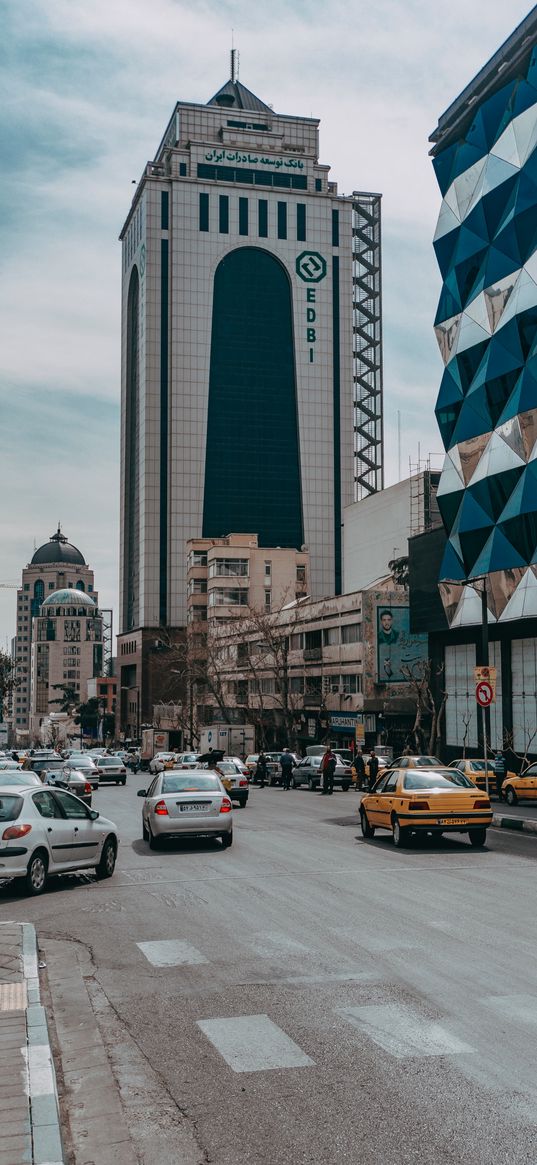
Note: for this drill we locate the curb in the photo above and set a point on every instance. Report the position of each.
(523, 824)
(42, 1089)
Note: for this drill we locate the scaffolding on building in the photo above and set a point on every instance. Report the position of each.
(424, 481)
(108, 648)
(367, 345)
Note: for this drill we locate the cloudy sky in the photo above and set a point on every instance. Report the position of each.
(88, 87)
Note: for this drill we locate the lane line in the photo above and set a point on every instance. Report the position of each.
(253, 1043)
(171, 953)
(402, 1031)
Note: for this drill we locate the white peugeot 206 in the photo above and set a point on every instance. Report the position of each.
(50, 831)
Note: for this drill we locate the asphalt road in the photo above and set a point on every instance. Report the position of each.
(306, 996)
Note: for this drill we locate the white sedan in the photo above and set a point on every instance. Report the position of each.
(186, 804)
(161, 761)
(49, 831)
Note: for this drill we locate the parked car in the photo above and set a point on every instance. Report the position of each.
(273, 768)
(161, 761)
(41, 766)
(7, 765)
(15, 776)
(520, 788)
(421, 800)
(309, 772)
(84, 764)
(242, 767)
(49, 831)
(111, 768)
(186, 760)
(186, 804)
(71, 779)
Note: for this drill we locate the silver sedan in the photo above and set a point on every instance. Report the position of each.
(186, 804)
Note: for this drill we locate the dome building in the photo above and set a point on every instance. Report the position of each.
(56, 566)
(67, 650)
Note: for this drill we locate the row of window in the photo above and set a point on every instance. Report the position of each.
(348, 685)
(245, 223)
(327, 637)
(128, 648)
(39, 586)
(228, 597)
(252, 177)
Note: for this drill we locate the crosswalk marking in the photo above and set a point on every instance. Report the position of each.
(402, 1031)
(171, 953)
(253, 1043)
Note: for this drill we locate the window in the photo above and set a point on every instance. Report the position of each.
(164, 210)
(51, 586)
(46, 805)
(351, 685)
(268, 569)
(204, 212)
(282, 220)
(228, 567)
(182, 169)
(243, 216)
(351, 633)
(330, 636)
(197, 586)
(242, 691)
(263, 218)
(301, 222)
(72, 807)
(252, 177)
(267, 686)
(296, 684)
(318, 183)
(247, 125)
(223, 214)
(197, 558)
(297, 641)
(228, 597)
(335, 228)
(27, 586)
(268, 600)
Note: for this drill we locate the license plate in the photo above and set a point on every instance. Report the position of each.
(193, 808)
(453, 821)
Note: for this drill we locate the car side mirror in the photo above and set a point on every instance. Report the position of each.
(93, 814)
(142, 793)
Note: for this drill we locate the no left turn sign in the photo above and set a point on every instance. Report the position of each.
(484, 694)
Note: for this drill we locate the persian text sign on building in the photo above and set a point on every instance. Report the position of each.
(398, 651)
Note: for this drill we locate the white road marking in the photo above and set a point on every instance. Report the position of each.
(268, 943)
(402, 1031)
(171, 953)
(521, 1008)
(253, 1043)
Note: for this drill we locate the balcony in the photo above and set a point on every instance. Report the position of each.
(313, 654)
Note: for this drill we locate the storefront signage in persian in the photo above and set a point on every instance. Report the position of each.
(239, 159)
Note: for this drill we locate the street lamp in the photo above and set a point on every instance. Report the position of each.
(482, 589)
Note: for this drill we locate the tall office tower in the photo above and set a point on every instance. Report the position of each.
(251, 341)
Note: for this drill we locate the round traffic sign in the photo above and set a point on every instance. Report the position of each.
(484, 694)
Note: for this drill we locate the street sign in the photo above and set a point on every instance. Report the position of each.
(484, 694)
(485, 675)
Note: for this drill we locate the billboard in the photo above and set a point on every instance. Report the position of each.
(397, 648)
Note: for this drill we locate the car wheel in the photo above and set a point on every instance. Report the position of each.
(145, 835)
(107, 863)
(477, 837)
(293, 783)
(154, 842)
(242, 802)
(399, 834)
(345, 787)
(510, 795)
(312, 785)
(272, 782)
(367, 829)
(227, 839)
(124, 781)
(36, 876)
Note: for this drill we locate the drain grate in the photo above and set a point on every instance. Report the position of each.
(13, 997)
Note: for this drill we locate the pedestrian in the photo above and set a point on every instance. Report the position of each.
(261, 770)
(373, 768)
(287, 766)
(359, 769)
(500, 769)
(328, 768)
(407, 751)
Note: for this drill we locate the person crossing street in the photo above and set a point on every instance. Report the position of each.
(287, 765)
(328, 769)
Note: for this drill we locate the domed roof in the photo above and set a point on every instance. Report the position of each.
(58, 549)
(69, 597)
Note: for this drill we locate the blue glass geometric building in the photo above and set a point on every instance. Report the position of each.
(485, 161)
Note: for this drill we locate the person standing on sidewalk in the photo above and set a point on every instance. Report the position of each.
(328, 769)
(359, 768)
(373, 768)
(500, 769)
(287, 765)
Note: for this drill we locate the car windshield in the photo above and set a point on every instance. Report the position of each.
(19, 779)
(427, 762)
(447, 780)
(191, 783)
(107, 760)
(227, 767)
(478, 766)
(10, 806)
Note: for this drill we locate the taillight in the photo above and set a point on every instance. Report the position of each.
(160, 809)
(15, 831)
(225, 806)
(484, 804)
(418, 805)
(87, 787)
(243, 783)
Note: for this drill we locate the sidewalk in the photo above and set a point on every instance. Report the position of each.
(29, 1114)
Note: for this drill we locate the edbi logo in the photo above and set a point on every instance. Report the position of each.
(311, 266)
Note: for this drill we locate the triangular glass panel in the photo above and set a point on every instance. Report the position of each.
(471, 422)
(525, 130)
(450, 595)
(450, 479)
(523, 603)
(523, 499)
(498, 391)
(497, 458)
(443, 167)
(444, 248)
(506, 147)
(470, 453)
(468, 185)
(501, 584)
(472, 543)
(448, 504)
(476, 310)
(497, 204)
(497, 297)
(447, 221)
(528, 428)
(497, 554)
(469, 333)
(468, 612)
(493, 112)
(526, 323)
(522, 534)
(449, 304)
(450, 391)
(466, 156)
(446, 335)
(452, 567)
(523, 298)
(492, 493)
(468, 363)
(447, 417)
(497, 172)
(498, 266)
(471, 515)
(510, 432)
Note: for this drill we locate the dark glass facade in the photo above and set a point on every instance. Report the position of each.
(131, 518)
(252, 475)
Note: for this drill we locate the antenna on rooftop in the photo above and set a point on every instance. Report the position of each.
(234, 61)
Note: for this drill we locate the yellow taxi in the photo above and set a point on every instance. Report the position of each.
(441, 800)
(411, 762)
(475, 770)
(520, 788)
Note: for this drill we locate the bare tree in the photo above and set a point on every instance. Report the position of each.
(429, 705)
(508, 746)
(466, 720)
